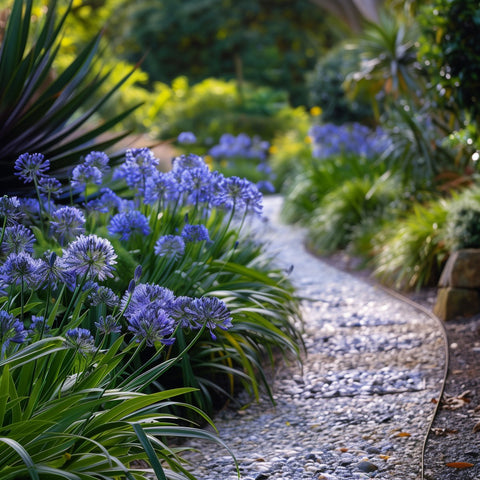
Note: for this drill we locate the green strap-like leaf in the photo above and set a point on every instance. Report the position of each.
(23, 454)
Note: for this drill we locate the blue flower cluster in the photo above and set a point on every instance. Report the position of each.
(329, 139)
(79, 261)
(241, 147)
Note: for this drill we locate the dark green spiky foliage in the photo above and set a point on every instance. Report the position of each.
(42, 114)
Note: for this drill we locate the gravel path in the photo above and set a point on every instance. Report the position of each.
(361, 405)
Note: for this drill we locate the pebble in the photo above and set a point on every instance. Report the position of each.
(373, 364)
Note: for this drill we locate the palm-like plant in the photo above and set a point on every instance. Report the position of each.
(388, 58)
(44, 114)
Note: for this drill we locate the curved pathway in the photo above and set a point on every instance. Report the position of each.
(361, 405)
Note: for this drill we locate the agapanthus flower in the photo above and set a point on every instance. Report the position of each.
(239, 193)
(265, 186)
(21, 268)
(10, 207)
(30, 208)
(195, 233)
(186, 138)
(152, 324)
(50, 186)
(143, 295)
(231, 193)
(90, 286)
(80, 339)
(38, 326)
(103, 295)
(52, 272)
(86, 174)
(31, 167)
(140, 163)
(67, 223)
(170, 246)
(108, 324)
(91, 256)
(12, 330)
(107, 201)
(197, 183)
(160, 187)
(186, 162)
(129, 223)
(180, 310)
(16, 239)
(99, 160)
(210, 311)
(252, 199)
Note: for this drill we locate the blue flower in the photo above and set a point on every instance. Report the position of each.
(265, 186)
(195, 233)
(30, 207)
(80, 339)
(11, 329)
(108, 201)
(143, 295)
(52, 271)
(10, 207)
(186, 162)
(50, 186)
(152, 324)
(181, 311)
(108, 325)
(160, 187)
(210, 311)
(84, 174)
(21, 268)
(129, 223)
(68, 223)
(197, 183)
(99, 160)
(186, 138)
(140, 163)
(17, 238)
(38, 326)
(103, 295)
(252, 199)
(91, 256)
(31, 167)
(231, 193)
(170, 245)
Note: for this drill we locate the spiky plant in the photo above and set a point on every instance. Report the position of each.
(41, 112)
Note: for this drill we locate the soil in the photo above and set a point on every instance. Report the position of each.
(452, 449)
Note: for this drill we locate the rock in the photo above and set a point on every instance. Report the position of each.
(456, 302)
(462, 269)
(367, 467)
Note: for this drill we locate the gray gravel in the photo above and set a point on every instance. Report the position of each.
(360, 406)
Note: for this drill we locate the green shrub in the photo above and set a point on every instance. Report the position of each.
(319, 177)
(410, 252)
(340, 213)
(325, 85)
(213, 107)
(463, 221)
